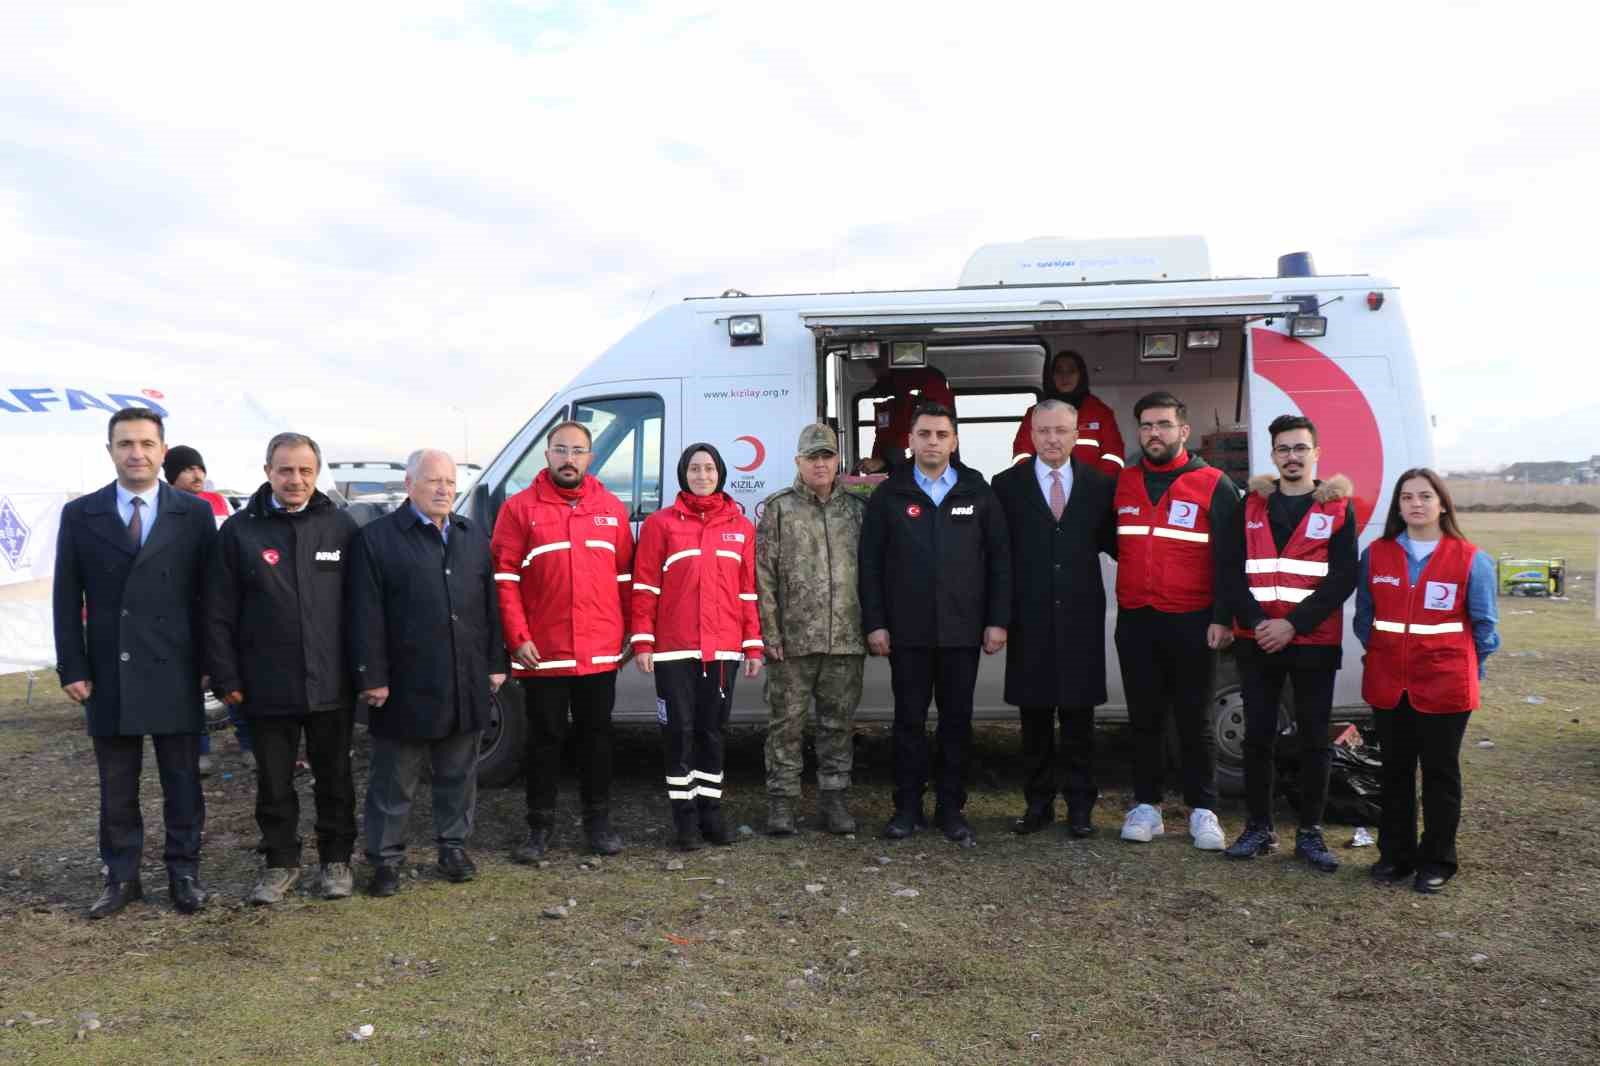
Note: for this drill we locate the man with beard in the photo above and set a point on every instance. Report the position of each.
(1290, 562)
(1170, 623)
(563, 550)
(1066, 378)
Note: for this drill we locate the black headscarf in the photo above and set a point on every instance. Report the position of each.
(1076, 396)
(716, 457)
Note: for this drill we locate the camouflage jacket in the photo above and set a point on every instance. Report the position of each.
(806, 572)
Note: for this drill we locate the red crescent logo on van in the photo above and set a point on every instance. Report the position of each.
(914, 510)
(270, 556)
(1351, 441)
(760, 450)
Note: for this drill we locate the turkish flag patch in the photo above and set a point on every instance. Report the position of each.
(914, 510)
(270, 556)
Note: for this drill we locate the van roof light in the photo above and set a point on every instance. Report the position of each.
(1308, 325)
(744, 329)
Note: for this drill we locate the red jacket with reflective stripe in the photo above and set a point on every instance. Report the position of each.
(1421, 641)
(1099, 440)
(1279, 581)
(562, 570)
(1164, 550)
(694, 584)
(893, 415)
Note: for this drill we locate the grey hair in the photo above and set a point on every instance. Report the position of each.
(414, 460)
(293, 440)
(1058, 405)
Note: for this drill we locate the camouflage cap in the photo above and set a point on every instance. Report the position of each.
(816, 438)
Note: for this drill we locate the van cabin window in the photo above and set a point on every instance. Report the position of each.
(988, 423)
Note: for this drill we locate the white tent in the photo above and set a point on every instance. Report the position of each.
(54, 440)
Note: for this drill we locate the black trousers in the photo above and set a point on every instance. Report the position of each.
(920, 676)
(1069, 768)
(1167, 669)
(693, 701)
(1409, 738)
(549, 701)
(183, 805)
(1261, 680)
(277, 743)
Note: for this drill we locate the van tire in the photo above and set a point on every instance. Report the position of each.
(506, 738)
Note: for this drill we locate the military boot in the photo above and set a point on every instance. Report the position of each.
(541, 826)
(603, 840)
(780, 816)
(836, 817)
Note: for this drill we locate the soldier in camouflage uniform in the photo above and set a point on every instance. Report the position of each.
(806, 548)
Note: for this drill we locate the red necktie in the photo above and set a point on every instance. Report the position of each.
(1058, 497)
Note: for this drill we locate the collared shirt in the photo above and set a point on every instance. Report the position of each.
(1482, 588)
(936, 488)
(125, 508)
(1042, 470)
(444, 530)
(277, 504)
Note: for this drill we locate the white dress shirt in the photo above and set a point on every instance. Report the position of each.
(1042, 470)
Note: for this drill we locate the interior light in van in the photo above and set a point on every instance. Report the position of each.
(1159, 347)
(863, 350)
(1308, 325)
(907, 353)
(744, 329)
(1205, 338)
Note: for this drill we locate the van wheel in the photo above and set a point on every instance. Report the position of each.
(1227, 727)
(504, 741)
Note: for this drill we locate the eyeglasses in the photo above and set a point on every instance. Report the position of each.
(1299, 451)
(564, 451)
(1157, 427)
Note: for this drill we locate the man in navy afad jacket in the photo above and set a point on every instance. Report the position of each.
(935, 586)
(275, 634)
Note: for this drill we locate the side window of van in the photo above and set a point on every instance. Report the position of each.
(533, 460)
(627, 434)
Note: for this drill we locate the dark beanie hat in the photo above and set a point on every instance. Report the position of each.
(180, 458)
(716, 457)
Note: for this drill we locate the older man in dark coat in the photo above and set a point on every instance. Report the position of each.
(1059, 516)
(130, 562)
(425, 642)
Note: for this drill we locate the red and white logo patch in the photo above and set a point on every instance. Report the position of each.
(914, 510)
(733, 538)
(605, 519)
(270, 556)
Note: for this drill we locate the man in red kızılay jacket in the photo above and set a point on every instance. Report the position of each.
(563, 552)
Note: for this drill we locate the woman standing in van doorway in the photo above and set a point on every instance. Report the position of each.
(694, 620)
(1425, 612)
(1066, 378)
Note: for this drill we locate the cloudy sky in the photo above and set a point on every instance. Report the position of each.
(403, 221)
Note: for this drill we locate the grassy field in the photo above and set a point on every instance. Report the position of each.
(814, 949)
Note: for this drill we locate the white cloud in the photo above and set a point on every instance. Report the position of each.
(372, 212)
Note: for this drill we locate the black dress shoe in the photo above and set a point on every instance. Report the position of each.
(957, 831)
(1033, 820)
(1430, 882)
(1080, 824)
(902, 825)
(1388, 873)
(117, 895)
(457, 865)
(187, 893)
(385, 881)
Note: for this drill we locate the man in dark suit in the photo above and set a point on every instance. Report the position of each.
(1059, 516)
(130, 564)
(425, 638)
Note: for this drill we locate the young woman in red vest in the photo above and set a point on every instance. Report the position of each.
(694, 622)
(1425, 611)
(1290, 565)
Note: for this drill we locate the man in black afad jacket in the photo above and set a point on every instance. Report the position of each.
(275, 625)
(935, 585)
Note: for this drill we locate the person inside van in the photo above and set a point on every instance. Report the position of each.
(901, 392)
(1066, 378)
(694, 620)
(1425, 612)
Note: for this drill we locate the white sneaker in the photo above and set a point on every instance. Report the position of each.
(1207, 833)
(1142, 824)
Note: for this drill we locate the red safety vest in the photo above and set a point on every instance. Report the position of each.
(1164, 550)
(1421, 642)
(1279, 581)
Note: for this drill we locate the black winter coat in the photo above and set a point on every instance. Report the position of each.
(423, 620)
(1056, 646)
(275, 607)
(934, 576)
(140, 644)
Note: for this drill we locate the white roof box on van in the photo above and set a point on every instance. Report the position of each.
(1052, 260)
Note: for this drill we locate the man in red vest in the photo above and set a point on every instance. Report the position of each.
(1290, 565)
(1169, 622)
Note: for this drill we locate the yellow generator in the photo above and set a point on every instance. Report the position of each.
(1532, 577)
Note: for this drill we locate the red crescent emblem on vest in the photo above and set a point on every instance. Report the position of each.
(914, 510)
(270, 556)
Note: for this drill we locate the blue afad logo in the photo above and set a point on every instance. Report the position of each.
(39, 401)
(13, 534)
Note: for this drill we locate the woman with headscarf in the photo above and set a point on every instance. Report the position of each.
(694, 621)
(1066, 378)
